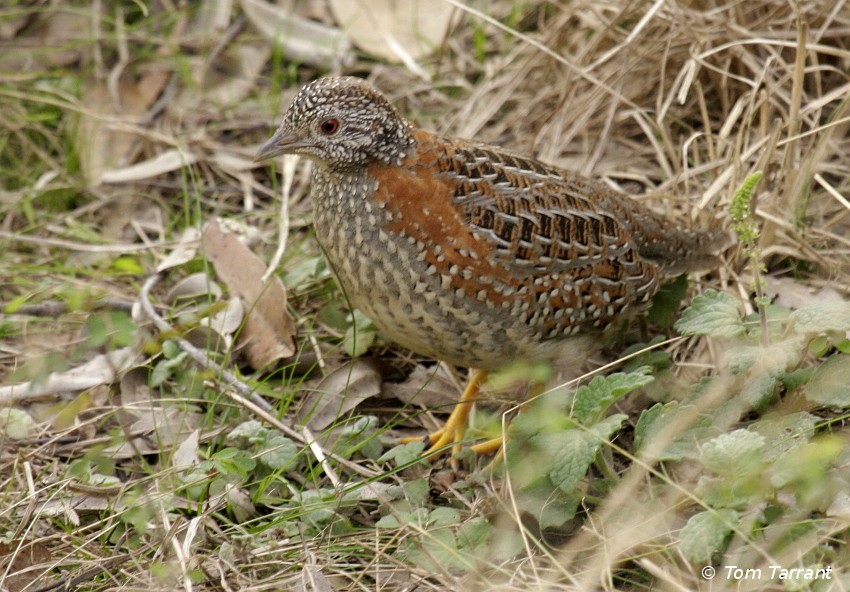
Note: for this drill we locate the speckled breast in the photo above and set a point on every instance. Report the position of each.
(384, 274)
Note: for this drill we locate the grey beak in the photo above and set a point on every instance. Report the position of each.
(280, 143)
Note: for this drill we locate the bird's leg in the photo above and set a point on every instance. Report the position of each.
(455, 426)
(453, 430)
(497, 444)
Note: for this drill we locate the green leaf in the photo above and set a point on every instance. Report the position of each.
(404, 454)
(654, 421)
(443, 516)
(300, 273)
(786, 433)
(552, 508)
(251, 431)
(668, 300)
(228, 453)
(843, 345)
(280, 453)
(569, 453)
(318, 506)
(735, 453)
(436, 550)
(712, 313)
(805, 467)
(830, 383)
(593, 400)
(388, 521)
(162, 371)
(473, 534)
(417, 491)
(15, 424)
(761, 388)
(360, 335)
(359, 435)
(127, 264)
(705, 533)
(820, 318)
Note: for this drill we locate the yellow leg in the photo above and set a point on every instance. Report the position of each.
(497, 445)
(455, 427)
(452, 432)
(488, 446)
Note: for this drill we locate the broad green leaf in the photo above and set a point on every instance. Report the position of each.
(251, 430)
(785, 433)
(830, 383)
(127, 264)
(436, 550)
(388, 521)
(552, 508)
(280, 453)
(705, 533)
(416, 491)
(760, 389)
(319, 506)
(735, 453)
(668, 300)
(820, 318)
(712, 313)
(593, 400)
(404, 454)
(806, 466)
(162, 371)
(654, 421)
(569, 453)
(443, 516)
(15, 424)
(473, 533)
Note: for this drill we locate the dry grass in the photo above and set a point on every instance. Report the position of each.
(676, 104)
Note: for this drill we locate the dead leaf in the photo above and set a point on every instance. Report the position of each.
(338, 393)
(134, 393)
(398, 31)
(71, 508)
(129, 217)
(301, 40)
(99, 145)
(313, 580)
(186, 455)
(216, 332)
(62, 37)
(428, 387)
(18, 561)
(269, 331)
(197, 287)
(183, 252)
(165, 162)
(161, 428)
(794, 294)
(101, 369)
(250, 59)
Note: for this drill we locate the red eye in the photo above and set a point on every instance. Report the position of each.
(329, 127)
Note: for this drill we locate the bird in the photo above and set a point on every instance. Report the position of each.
(470, 253)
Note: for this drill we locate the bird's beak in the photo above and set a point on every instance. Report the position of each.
(280, 143)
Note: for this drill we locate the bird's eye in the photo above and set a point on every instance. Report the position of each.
(329, 127)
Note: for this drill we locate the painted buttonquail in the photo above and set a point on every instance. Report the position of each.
(467, 252)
